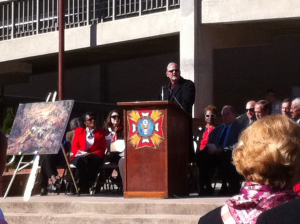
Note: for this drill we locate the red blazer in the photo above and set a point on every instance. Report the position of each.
(79, 142)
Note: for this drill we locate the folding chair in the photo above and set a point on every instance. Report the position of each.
(106, 181)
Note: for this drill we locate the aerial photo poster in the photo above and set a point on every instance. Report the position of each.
(39, 127)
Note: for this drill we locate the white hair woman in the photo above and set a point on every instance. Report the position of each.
(268, 156)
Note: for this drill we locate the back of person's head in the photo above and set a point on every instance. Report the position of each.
(75, 123)
(268, 152)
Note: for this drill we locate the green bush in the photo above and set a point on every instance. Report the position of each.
(8, 121)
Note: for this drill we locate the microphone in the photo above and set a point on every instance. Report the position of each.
(162, 92)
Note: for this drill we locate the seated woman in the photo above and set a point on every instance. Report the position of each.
(268, 156)
(49, 162)
(88, 149)
(114, 131)
(201, 138)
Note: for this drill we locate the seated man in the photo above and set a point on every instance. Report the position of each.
(295, 110)
(218, 153)
(249, 116)
(286, 107)
(262, 108)
(275, 104)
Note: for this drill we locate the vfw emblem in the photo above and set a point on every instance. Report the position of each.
(145, 128)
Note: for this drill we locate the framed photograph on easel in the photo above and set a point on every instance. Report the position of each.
(39, 128)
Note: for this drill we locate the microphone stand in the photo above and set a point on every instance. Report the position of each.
(178, 102)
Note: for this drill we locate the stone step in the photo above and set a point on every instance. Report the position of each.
(49, 218)
(107, 208)
(104, 209)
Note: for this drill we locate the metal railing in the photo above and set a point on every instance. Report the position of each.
(21, 18)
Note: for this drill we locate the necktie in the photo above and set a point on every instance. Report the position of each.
(171, 91)
(223, 136)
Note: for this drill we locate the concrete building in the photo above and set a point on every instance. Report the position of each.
(118, 50)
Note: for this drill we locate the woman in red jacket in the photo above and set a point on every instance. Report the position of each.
(88, 149)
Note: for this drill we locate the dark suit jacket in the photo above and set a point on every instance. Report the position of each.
(184, 91)
(233, 135)
(287, 213)
(243, 119)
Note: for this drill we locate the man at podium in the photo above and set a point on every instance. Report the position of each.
(179, 90)
(182, 92)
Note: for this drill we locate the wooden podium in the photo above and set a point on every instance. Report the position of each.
(157, 147)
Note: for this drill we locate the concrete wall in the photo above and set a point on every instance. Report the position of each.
(137, 79)
(245, 73)
(120, 81)
(228, 11)
(80, 84)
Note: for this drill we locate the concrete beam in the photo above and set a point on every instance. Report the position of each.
(131, 29)
(15, 67)
(231, 11)
(14, 72)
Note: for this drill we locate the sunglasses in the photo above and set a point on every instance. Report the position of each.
(91, 119)
(174, 70)
(251, 109)
(114, 117)
(210, 116)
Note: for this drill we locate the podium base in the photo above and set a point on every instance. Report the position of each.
(145, 194)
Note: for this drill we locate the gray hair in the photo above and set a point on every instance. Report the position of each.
(232, 109)
(171, 63)
(75, 123)
(297, 102)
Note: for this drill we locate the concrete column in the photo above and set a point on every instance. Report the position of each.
(204, 70)
(196, 54)
(188, 37)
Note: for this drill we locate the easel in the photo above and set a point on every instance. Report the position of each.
(35, 161)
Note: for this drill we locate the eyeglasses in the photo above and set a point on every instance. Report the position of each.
(251, 109)
(294, 109)
(174, 70)
(91, 119)
(210, 116)
(114, 117)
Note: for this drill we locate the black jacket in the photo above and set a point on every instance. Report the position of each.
(183, 94)
(287, 213)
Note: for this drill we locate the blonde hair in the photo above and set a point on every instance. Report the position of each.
(268, 152)
(211, 108)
